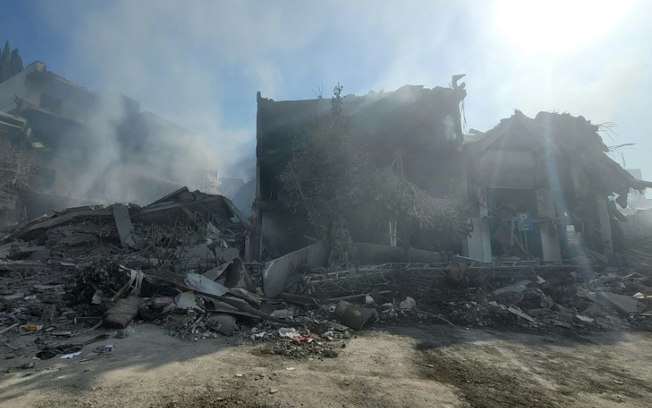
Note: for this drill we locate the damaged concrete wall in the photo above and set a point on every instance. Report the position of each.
(546, 169)
(419, 126)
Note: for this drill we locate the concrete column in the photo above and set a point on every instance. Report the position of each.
(550, 243)
(605, 225)
(478, 245)
(393, 241)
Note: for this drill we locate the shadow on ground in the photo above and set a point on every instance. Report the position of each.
(483, 367)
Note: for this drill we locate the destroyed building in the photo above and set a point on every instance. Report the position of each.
(536, 182)
(420, 127)
(637, 200)
(190, 261)
(69, 128)
(536, 186)
(15, 169)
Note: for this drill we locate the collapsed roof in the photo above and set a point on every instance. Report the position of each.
(568, 147)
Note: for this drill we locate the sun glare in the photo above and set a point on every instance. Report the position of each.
(556, 26)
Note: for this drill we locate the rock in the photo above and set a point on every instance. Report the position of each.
(221, 323)
(407, 304)
(282, 314)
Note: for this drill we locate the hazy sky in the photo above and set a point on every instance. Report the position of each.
(200, 63)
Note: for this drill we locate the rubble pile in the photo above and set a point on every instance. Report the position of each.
(639, 254)
(326, 340)
(516, 295)
(176, 262)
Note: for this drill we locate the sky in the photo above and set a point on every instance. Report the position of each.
(200, 63)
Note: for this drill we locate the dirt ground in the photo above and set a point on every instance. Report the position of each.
(427, 366)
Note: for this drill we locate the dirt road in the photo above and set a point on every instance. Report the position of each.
(429, 366)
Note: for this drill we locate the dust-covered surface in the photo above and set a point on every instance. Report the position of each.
(426, 366)
(509, 369)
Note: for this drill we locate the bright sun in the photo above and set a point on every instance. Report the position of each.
(557, 26)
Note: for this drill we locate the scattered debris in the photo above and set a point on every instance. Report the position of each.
(122, 313)
(624, 304)
(70, 356)
(99, 272)
(221, 323)
(106, 348)
(289, 332)
(352, 315)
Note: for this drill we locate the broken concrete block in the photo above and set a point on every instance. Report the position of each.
(593, 311)
(282, 314)
(562, 324)
(624, 304)
(352, 315)
(186, 300)
(288, 332)
(584, 319)
(517, 287)
(122, 313)
(125, 227)
(221, 323)
(195, 256)
(520, 314)
(407, 304)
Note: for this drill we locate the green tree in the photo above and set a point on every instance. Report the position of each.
(442, 220)
(16, 62)
(10, 62)
(331, 179)
(5, 62)
(323, 176)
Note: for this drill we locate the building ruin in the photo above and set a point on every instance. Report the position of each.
(68, 129)
(535, 185)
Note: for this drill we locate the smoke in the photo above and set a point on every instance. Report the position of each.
(200, 63)
(179, 60)
(103, 152)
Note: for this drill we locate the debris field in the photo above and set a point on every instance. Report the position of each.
(178, 263)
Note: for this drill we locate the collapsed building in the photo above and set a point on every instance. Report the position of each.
(16, 167)
(535, 186)
(538, 189)
(636, 200)
(537, 182)
(90, 146)
(420, 127)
